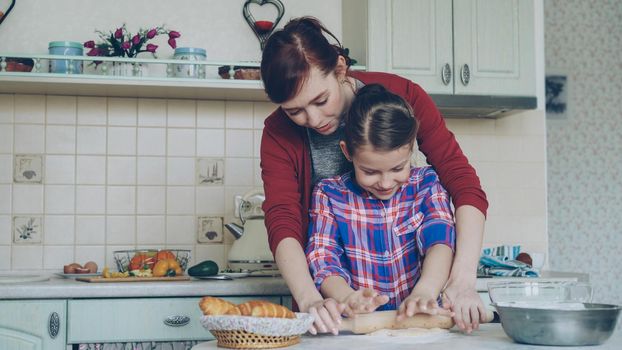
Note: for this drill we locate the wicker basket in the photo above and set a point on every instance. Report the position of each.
(240, 339)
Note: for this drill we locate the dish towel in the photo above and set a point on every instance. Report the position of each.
(500, 261)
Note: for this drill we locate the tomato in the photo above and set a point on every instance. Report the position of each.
(141, 262)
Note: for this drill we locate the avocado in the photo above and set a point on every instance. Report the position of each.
(204, 268)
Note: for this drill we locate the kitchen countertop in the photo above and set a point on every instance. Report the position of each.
(61, 288)
(489, 336)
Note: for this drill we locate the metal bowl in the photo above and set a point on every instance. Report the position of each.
(540, 292)
(122, 258)
(590, 325)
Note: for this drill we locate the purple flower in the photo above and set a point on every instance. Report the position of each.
(93, 52)
(136, 39)
(173, 34)
(152, 48)
(118, 33)
(89, 44)
(126, 45)
(172, 43)
(152, 33)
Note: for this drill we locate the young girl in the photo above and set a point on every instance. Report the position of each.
(309, 79)
(381, 236)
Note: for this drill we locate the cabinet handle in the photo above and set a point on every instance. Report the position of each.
(53, 325)
(465, 75)
(446, 74)
(176, 321)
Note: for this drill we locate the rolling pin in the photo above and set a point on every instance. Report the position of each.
(371, 322)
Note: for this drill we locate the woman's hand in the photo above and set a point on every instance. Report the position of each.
(420, 304)
(468, 308)
(363, 301)
(327, 315)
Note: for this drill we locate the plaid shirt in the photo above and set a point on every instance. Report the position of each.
(377, 244)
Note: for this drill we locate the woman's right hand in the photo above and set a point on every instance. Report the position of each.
(327, 314)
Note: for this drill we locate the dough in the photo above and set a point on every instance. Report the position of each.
(408, 332)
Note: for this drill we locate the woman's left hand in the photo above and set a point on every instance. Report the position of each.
(463, 300)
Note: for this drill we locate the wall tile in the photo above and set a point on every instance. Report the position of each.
(29, 138)
(180, 230)
(5, 199)
(30, 109)
(257, 181)
(95, 253)
(6, 138)
(151, 112)
(239, 172)
(257, 143)
(90, 199)
(122, 111)
(120, 229)
(121, 170)
(27, 199)
(121, 200)
(261, 111)
(91, 170)
(210, 200)
(150, 230)
(181, 142)
(151, 171)
(92, 110)
(5, 230)
(90, 230)
(239, 115)
(471, 126)
(61, 109)
(239, 143)
(181, 113)
(91, 140)
(180, 200)
(214, 252)
(7, 110)
(151, 200)
(211, 142)
(110, 249)
(59, 169)
(55, 257)
(210, 114)
(60, 199)
(60, 139)
(6, 170)
(151, 141)
(121, 141)
(180, 171)
(27, 257)
(5, 257)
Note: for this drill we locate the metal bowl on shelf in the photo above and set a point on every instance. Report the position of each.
(123, 258)
(552, 313)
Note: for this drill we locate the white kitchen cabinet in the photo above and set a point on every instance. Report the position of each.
(33, 324)
(462, 47)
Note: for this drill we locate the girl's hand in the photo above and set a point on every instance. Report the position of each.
(327, 315)
(363, 301)
(467, 306)
(420, 304)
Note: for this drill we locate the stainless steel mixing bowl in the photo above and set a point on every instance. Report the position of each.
(591, 325)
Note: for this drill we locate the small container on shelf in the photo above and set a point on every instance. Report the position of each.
(196, 71)
(65, 48)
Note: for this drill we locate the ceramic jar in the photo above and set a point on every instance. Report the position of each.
(196, 71)
(65, 48)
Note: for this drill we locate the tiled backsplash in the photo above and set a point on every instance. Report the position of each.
(123, 173)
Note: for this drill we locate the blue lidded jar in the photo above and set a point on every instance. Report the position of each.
(189, 70)
(65, 48)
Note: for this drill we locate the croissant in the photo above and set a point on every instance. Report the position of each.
(260, 308)
(212, 306)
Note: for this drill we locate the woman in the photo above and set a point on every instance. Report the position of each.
(309, 79)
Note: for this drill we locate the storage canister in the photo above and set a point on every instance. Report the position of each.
(65, 48)
(189, 70)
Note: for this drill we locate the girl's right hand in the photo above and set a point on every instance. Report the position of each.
(364, 301)
(327, 315)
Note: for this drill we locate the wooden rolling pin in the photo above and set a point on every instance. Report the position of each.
(371, 322)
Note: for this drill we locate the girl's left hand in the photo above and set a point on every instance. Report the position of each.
(420, 304)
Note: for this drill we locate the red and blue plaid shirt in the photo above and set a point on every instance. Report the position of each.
(377, 244)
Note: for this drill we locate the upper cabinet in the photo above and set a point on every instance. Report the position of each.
(462, 47)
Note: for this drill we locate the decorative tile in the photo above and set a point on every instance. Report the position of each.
(210, 171)
(27, 229)
(28, 168)
(209, 229)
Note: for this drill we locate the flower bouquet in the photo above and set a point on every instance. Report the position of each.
(122, 43)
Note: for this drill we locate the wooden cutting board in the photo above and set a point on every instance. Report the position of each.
(132, 279)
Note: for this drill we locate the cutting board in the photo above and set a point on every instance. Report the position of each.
(371, 322)
(132, 279)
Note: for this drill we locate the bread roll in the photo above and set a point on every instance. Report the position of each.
(212, 306)
(258, 308)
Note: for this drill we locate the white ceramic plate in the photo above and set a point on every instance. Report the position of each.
(15, 278)
(235, 274)
(76, 275)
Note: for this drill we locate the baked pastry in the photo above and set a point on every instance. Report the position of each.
(258, 308)
(212, 306)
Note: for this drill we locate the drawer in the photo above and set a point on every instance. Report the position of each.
(140, 319)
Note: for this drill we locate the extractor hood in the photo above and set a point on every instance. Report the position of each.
(473, 106)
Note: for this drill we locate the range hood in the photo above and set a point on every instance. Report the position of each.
(473, 106)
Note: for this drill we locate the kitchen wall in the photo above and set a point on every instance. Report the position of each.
(121, 172)
(583, 41)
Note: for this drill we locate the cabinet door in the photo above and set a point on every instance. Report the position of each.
(413, 39)
(495, 40)
(32, 324)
